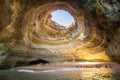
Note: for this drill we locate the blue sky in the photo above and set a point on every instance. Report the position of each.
(62, 17)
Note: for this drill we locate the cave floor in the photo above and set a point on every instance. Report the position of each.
(64, 71)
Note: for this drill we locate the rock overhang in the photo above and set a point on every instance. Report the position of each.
(31, 35)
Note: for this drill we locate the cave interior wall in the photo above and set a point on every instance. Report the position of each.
(28, 34)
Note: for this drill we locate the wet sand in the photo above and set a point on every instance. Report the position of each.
(72, 65)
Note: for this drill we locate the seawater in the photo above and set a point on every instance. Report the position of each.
(61, 74)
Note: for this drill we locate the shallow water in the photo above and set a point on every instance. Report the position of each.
(61, 74)
(64, 71)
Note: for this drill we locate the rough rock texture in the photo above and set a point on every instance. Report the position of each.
(28, 34)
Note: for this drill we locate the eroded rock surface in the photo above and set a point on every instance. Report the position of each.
(28, 34)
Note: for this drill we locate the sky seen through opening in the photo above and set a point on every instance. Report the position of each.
(62, 17)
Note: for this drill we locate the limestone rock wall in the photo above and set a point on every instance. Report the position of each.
(27, 33)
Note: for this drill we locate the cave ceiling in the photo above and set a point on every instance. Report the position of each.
(27, 32)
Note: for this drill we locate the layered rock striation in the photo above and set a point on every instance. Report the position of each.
(27, 32)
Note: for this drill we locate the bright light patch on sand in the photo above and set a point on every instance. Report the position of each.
(62, 69)
(24, 70)
(90, 63)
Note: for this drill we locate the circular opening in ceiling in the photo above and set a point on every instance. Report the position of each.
(63, 18)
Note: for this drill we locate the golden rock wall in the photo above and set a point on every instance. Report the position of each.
(28, 33)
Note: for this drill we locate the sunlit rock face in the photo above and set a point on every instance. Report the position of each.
(27, 32)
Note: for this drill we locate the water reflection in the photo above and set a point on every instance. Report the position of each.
(62, 73)
(65, 74)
